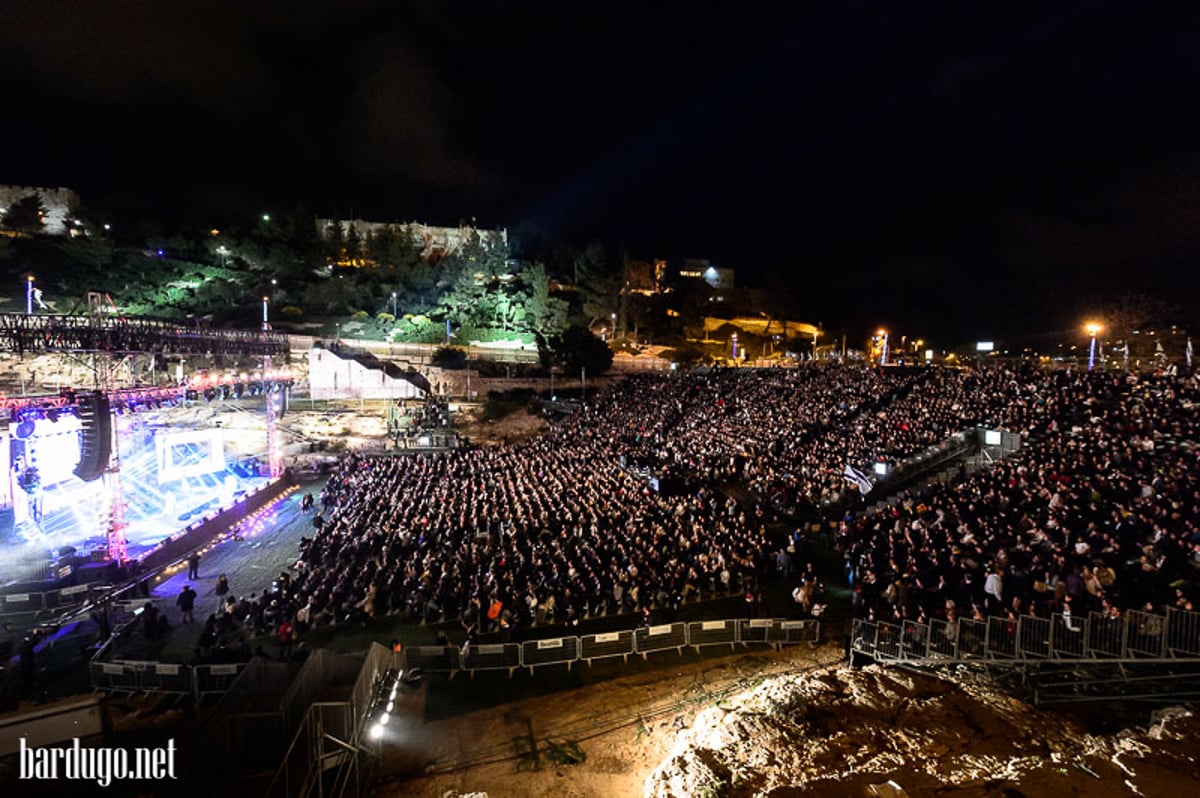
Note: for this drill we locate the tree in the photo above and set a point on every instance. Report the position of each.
(449, 357)
(598, 283)
(26, 215)
(335, 240)
(577, 349)
(1133, 312)
(472, 285)
(544, 313)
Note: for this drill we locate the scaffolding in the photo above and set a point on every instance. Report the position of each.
(1134, 655)
(117, 335)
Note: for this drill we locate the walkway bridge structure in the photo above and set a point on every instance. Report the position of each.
(1061, 659)
(119, 335)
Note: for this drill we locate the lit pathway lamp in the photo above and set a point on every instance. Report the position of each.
(1092, 329)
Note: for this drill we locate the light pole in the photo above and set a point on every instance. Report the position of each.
(735, 347)
(883, 354)
(1092, 329)
(266, 325)
(29, 295)
(393, 305)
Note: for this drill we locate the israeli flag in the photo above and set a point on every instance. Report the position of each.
(859, 478)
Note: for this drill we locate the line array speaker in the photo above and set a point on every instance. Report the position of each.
(95, 439)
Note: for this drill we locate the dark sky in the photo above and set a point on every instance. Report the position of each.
(955, 169)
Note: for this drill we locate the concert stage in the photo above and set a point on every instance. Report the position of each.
(180, 462)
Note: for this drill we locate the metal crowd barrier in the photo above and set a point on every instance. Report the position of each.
(51, 600)
(1135, 635)
(434, 659)
(606, 644)
(567, 650)
(492, 657)
(1183, 633)
(202, 680)
(668, 636)
(549, 652)
(125, 676)
(712, 633)
(210, 679)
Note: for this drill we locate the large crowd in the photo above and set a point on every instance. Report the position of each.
(1100, 510)
(1101, 513)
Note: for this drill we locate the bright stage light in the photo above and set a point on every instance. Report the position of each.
(376, 731)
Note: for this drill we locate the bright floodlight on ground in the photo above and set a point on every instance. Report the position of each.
(881, 469)
(376, 731)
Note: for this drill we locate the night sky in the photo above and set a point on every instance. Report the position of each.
(945, 169)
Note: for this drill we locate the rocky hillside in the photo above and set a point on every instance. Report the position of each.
(840, 731)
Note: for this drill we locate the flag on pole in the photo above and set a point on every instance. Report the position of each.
(1188, 351)
(859, 479)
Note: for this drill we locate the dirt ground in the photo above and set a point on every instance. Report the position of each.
(517, 426)
(620, 729)
(796, 722)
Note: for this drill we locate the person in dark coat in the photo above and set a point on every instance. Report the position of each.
(186, 603)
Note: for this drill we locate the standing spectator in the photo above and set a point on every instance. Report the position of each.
(222, 585)
(194, 566)
(287, 635)
(186, 603)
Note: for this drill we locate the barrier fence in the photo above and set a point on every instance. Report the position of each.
(51, 600)
(1099, 637)
(645, 640)
(203, 680)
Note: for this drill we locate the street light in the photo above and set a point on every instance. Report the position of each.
(1092, 329)
(29, 295)
(266, 323)
(883, 355)
(393, 304)
(735, 347)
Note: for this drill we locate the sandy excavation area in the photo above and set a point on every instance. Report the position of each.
(796, 722)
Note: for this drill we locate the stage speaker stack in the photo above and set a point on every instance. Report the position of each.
(95, 439)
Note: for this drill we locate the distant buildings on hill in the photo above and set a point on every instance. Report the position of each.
(435, 242)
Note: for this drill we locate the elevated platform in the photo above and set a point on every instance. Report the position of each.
(1134, 636)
